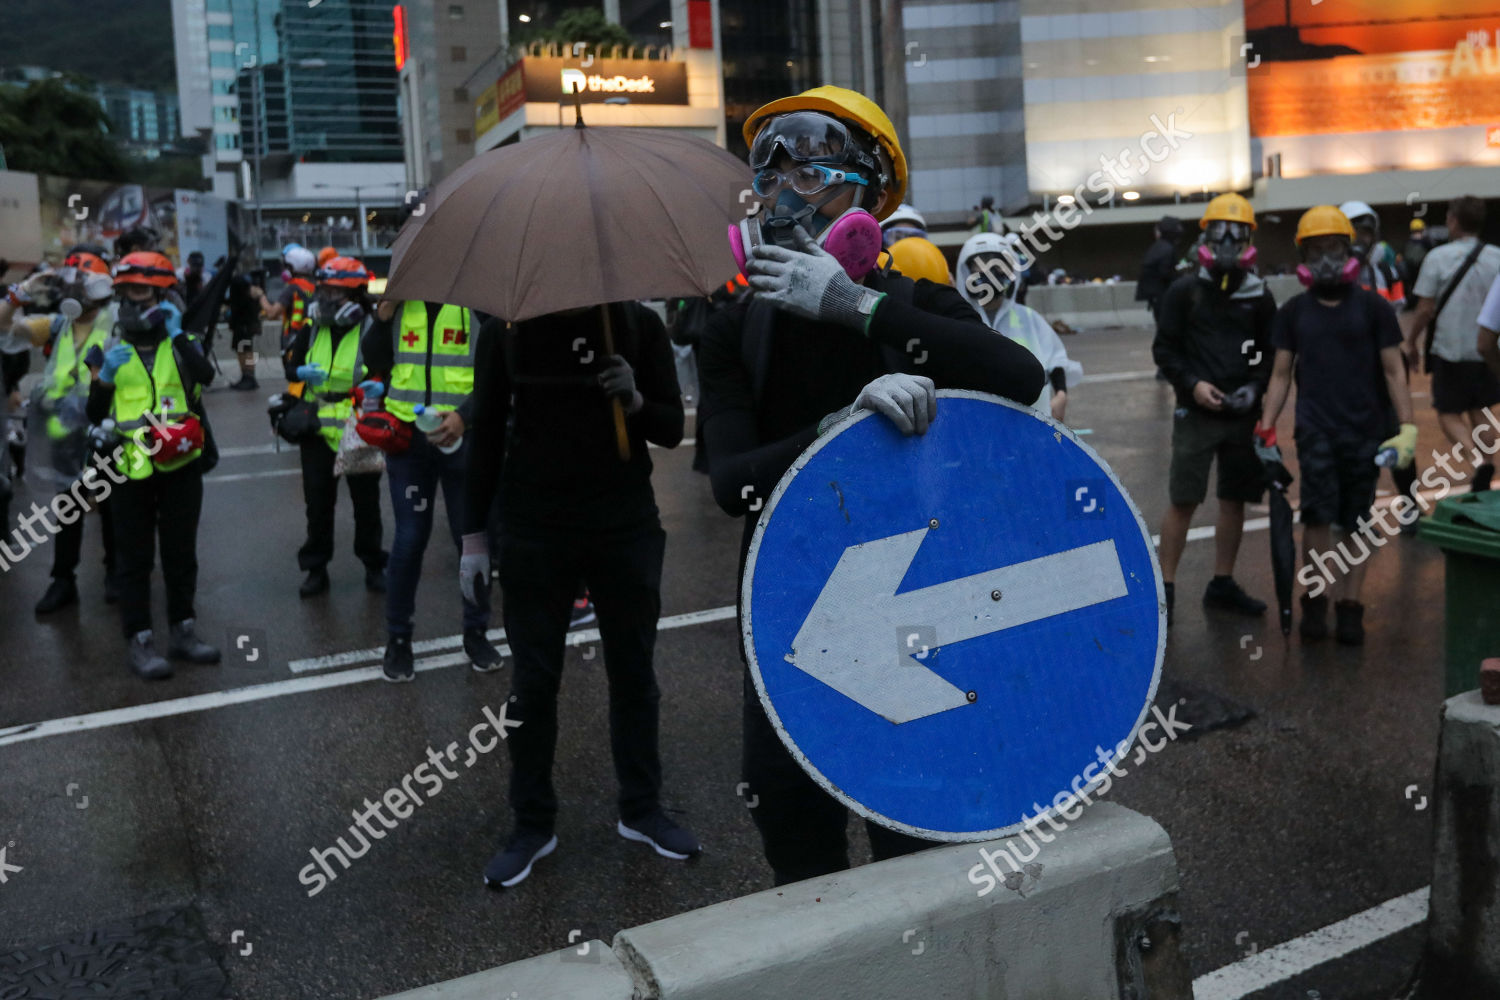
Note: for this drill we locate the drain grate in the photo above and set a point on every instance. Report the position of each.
(163, 955)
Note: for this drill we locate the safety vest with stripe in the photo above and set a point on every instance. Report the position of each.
(67, 371)
(138, 392)
(434, 369)
(293, 318)
(335, 401)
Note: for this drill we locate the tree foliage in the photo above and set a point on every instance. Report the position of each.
(50, 127)
(580, 24)
(118, 41)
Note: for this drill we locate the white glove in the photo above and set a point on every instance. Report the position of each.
(808, 282)
(474, 568)
(909, 401)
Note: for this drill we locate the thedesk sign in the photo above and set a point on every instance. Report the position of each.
(642, 81)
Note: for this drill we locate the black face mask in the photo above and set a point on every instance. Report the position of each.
(140, 323)
(328, 303)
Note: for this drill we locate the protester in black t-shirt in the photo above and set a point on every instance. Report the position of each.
(571, 509)
(1346, 344)
(1159, 268)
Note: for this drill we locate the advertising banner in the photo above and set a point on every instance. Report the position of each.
(202, 225)
(642, 81)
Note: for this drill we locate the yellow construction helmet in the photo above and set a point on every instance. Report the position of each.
(1323, 220)
(1228, 208)
(855, 109)
(1417, 225)
(919, 258)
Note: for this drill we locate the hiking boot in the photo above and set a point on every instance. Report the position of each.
(1223, 593)
(483, 657)
(399, 665)
(60, 593)
(1171, 592)
(375, 581)
(185, 645)
(1314, 624)
(1349, 623)
(667, 838)
(145, 661)
(512, 865)
(315, 583)
(245, 384)
(583, 613)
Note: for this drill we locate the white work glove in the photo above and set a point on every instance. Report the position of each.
(908, 401)
(808, 282)
(474, 568)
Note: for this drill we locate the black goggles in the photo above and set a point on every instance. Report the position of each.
(807, 137)
(1218, 231)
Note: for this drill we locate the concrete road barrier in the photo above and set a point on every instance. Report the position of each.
(1091, 914)
(1463, 923)
(1099, 307)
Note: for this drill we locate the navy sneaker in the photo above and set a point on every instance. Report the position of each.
(512, 865)
(665, 837)
(399, 664)
(1222, 592)
(482, 654)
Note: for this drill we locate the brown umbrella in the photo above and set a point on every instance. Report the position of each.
(581, 217)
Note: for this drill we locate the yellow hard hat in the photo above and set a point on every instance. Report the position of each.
(1228, 208)
(1417, 225)
(1323, 220)
(854, 108)
(919, 258)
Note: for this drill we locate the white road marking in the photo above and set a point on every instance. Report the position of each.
(1294, 957)
(258, 449)
(297, 685)
(239, 476)
(1120, 376)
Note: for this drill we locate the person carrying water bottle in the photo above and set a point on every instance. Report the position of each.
(1346, 344)
(420, 356)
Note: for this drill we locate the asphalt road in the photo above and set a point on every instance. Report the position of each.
(186, 801)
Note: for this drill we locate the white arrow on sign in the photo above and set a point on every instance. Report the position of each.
(847, 640)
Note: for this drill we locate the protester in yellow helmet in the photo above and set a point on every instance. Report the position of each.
(917, 257)
(826, 333)
(1346, 346)
(1213, 343)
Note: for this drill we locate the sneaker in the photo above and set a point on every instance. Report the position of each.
(185, 645)
(1314, 618)
(315, 583)
(583, 613)
(1222, 592)
(1171, 592)
(398, 665)
(483, 657)
(246, 383)
(60, 593)
(146, 663)
(375, 581)
(667, 838)
(512, 865)
(1483, 475)
(1349, 623)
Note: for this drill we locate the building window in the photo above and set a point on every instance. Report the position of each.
(464, 136)
(458, 53)
(460, 95)
(456, 11)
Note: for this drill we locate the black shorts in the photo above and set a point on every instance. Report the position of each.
(1461, 386)
(1198, 438)
(1338, 477)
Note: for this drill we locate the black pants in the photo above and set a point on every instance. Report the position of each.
(67, 547)
(162, 507)
(540, 573)
(802, 828)
(320, 492)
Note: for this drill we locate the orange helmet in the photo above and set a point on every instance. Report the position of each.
(88, 262)
(326, 254)
(145, 267)
(343, 272)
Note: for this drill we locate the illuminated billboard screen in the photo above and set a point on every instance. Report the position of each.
(1374, 84)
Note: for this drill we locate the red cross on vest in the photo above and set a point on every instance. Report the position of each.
(452, 336)
(411, 338)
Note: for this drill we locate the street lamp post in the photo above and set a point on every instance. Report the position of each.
(359, 206)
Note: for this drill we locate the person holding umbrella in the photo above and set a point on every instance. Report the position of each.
(822, 336)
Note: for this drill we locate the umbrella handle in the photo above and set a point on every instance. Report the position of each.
(622, 438)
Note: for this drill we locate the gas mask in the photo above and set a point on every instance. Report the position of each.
(853, 238)
(87, 291)
(141, 323)
(1226, 248)
(1329, 272)
(327, 304)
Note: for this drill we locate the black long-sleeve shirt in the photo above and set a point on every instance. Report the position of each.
(379, 349)
(192, 365)
(543, 430)
(817, 368)
(1204, 333)
(1158, 269)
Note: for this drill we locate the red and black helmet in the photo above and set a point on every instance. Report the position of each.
(343, 272)
(145, 267)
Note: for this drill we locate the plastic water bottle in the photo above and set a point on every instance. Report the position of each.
(1386, 458)
(430, 420)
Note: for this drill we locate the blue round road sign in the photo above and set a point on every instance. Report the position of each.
(947, 630)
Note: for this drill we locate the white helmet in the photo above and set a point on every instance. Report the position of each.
(1358, 210)
(904, 213)
(300, 260)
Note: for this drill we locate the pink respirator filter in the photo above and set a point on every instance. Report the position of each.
(853, 239)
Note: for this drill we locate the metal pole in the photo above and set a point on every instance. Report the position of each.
(364, 231)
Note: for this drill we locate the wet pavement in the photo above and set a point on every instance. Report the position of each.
(194, 804)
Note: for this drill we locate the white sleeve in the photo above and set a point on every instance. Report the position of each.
(1489, 315)
(1050, 350)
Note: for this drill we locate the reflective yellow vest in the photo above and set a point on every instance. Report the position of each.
(440, 381)
(66, 371)
(293, 318)
(334, 399)
(138, 392)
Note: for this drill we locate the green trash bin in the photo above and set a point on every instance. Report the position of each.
(1467, 529)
